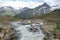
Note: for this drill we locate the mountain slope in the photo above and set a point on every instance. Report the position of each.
(7, 11)
(25, 14)
(24, 9)
(52, 16)
(38, 11)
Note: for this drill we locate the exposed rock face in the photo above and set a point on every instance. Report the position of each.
(7, 32)
(43, 9)
(29, 13)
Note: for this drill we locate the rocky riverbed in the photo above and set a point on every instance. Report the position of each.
(27, 29)
(7, 32)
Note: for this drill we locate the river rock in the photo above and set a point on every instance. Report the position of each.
(1, 35)
(5, 33)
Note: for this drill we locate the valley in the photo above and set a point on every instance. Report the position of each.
(40, 23)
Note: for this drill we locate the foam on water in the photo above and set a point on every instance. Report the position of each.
(26, 34)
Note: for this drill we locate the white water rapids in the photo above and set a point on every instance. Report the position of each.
(27, 32)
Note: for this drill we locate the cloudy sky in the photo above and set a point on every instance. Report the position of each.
(27, 3)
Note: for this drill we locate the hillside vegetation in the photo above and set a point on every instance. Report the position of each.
(5, 19)
(51, 17)
(7, 13)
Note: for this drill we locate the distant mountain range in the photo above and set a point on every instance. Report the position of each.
(8, 11)
(25, 12)
(29, 13)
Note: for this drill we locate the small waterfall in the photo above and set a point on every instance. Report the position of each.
(26, 32)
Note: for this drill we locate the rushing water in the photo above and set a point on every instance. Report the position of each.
(28, 32)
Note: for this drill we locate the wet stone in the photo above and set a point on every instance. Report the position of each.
(1, 35)
(33, 29)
